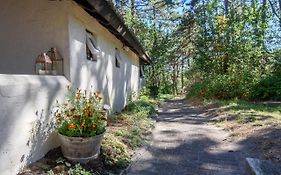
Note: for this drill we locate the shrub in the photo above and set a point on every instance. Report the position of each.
(145, 91)
(198, 89)
(140, 105)
(223, 87)
(268, 87)
(115, 152)
(164, 97)
(229, 87)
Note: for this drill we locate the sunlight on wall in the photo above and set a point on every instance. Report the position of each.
(25, 118)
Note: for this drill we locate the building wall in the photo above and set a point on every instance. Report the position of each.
(29, 28)
(115, 83)
(25, 132)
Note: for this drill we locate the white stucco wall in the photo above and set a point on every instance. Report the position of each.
(115, 83)
(25, 133)
(28, 28)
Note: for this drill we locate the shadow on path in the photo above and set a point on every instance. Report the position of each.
(184, 143)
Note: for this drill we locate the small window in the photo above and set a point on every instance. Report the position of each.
(117, 59)
(141, 71)
(92, 49)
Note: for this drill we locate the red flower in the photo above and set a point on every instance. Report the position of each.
(85, 111)
(77, 116)
(93, 126)
(72, 125)
(83, 124)
(104, 119)
(68, 114)
(90, 114)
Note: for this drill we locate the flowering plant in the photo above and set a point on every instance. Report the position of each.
(81, 115)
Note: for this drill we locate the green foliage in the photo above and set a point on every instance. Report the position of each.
(197, 90)
(240, 105)
(145, 91)
(254, 113)
(241, 86)
(246, 119)
(164, 97)
(132, 136)
(133, 125)
(79, 170)
(234, 52)
(140, 106)
(268, 87)
(81, 115)
(115, 152)
(229, 87)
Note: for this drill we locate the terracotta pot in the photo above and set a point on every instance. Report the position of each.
(80, 149)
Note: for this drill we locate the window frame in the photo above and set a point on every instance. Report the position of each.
(117, 58)
(92, 49)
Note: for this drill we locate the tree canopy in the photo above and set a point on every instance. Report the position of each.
(215, 49)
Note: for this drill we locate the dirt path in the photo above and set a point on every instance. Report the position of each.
(183, 143)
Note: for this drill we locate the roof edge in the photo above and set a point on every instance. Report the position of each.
(107, 16)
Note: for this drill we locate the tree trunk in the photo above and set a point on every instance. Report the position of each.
(226, 7)
(182, 80)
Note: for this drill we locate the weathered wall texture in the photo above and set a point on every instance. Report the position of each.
(28, 28)
(26, 101)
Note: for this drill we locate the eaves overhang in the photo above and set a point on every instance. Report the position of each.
(106, 15)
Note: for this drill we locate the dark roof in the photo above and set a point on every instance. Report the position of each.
(105, 13)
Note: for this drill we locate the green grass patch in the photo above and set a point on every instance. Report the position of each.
(165, 97)
(128, 131)
(250, 112)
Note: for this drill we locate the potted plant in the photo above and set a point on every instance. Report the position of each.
(81, 123)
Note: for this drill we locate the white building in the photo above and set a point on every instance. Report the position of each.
(97, 48)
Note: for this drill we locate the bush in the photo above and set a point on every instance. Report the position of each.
(230, 86)
(198, 89)
(223, 87)
(268, 88)
(164, 97)
(139, 106)
(115, 152)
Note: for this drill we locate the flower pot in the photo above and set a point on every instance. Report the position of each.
(80, 149)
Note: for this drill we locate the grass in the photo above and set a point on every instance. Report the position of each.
(257, 123)
(128, 130)
(255, 113)
(165, 97)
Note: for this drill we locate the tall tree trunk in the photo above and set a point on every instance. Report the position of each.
(226, 7)
(263, 22)
(133, 11)
(226, 38)
(174, 79)
(182, 74)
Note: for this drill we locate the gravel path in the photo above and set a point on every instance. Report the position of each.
(183, 143)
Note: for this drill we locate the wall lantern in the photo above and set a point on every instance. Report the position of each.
(43, 64)
(57, 61)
